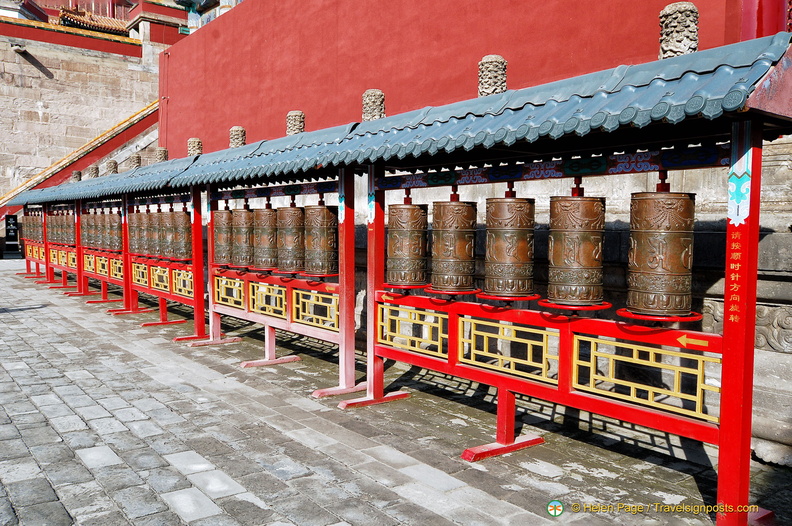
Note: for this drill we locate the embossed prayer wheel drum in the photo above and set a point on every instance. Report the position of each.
(52, 229)
(265, 238)
(167, 234)
(182, 236)
(114, 239)
(85, 229)
(508, 264)
(133, 225)
(321, 240)
(104, 230)
(154, 234)
(407, 245)
(453, 245)
(660, 259)
(574, 254)
(222, 237)
(69, 229)
(144, 243)
(242, 238)
(291, 239)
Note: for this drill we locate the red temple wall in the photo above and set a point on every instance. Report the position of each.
(262, 59)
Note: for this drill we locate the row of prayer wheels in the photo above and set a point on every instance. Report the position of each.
(166, 235)
(659, 260)
(61, 229)
(32, 228)
(101, 231)
(289, 239)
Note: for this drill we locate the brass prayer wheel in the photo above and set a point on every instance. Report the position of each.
(291, 239)
(577, 226)
(144, 241)
(168, 234)
(508, 263)
(52, 229)
(154, 234)
(69, 229)
(453, 245)
(222, 237)
(321, 239)
(85, 229)
(406, 245)
(182, 235)
(660, 259)
(242, 238)
(133, 226)
(114, 239)
(265, 238)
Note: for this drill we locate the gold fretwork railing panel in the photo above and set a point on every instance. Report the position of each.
(520, 350)
(101, 265)
(317, 309)
(229, 292)
(183, 283)
(42, 254)
(160, 279)
(673, 380)
(29, 251)
(89, 263)
(140, 275)
(116, 269)
(267, 299)
(72, 260)
(416, 330)
(53, 256)
(62, 258)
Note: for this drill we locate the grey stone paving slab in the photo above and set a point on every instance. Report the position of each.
(91, 412)
(69, 472)
(189, 462)
(66, 424)
(51, 453)
(18, 469)
(138, 501)
(37, 436)
(49, 513)
(117, 477)
(113, 518)
(98, 457)
(432, 477)
(247, 509)
(45, 400)
(107, 426)
(85, 499)
(56, 410)
(7, 515)
(165, 518)
(30, 492)
(190, 504)
(81, 439)
(302, 510)
(144, 428)
(9, 431)
(141, 459)
(12, 448)
(129, 414)
(215, 484)
(164, 480)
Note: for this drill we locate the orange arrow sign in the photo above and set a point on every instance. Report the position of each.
(684, 341)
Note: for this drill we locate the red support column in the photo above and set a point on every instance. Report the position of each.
(375, 279)
(49, 272)
(199, 312)
(346, 288)
(739, 323)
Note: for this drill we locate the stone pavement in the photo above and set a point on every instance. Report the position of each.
(105, 423)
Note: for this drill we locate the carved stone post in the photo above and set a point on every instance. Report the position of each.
(161, 155)
(194, 146)
(135, 160)
(678, 29)
(91, 172)
(75, 176)
(236, 137)
(373, 105)
(295, 122)
(112, 167)
(492, 75)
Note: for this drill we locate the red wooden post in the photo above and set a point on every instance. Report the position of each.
(49, 272)
(739, 323)
(199, 312)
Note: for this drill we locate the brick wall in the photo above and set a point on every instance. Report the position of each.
(54, 99)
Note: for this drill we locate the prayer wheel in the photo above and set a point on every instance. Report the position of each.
(69, 229)
(508, 264)
(453, 244)
(265, 239)
(291, 239)
(85, 229)
(182, 235)
(104, 230)
(52, 227)
(406, 245)
(114, 239)
(133, 225)
(321, 240)
(154, 234)
(222, 237)
(242, 238)
(577, 226)
(660, 259)
(168, 236)
(145, 226)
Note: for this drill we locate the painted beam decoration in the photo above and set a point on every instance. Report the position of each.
(623, 163)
